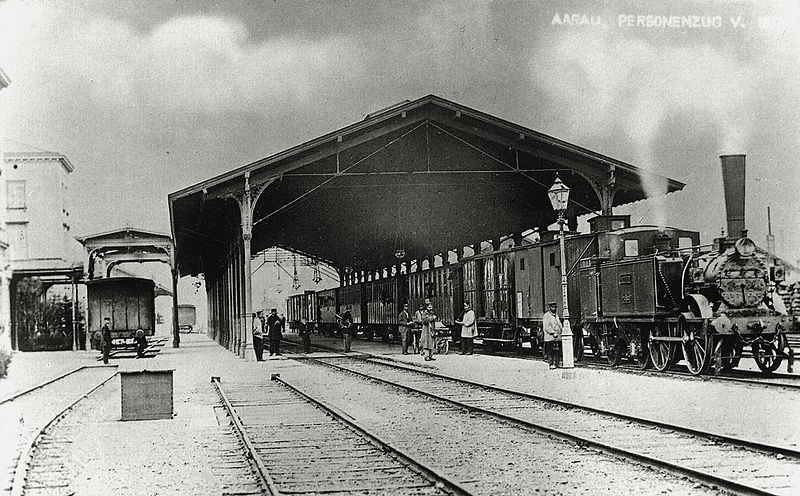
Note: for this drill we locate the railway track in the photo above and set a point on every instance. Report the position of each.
(752, 378)
(774, 380)
(26, 415)
(300, 445)
(737, 466)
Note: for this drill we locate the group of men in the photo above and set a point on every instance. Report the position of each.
(412, 329)
(272, 329)
(415, 331)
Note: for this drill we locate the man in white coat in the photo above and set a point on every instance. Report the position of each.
(551, 325)
(469, 329)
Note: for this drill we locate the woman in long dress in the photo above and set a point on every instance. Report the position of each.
(427, 341)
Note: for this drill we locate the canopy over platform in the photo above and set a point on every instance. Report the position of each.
(423, 176)
(417, 179)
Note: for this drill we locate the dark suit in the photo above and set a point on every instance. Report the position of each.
(105, 341)
(302, 329)
(275, 335)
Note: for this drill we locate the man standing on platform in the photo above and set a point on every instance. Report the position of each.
(274, 331)
(551, 325)
(469, 329)
(404, 325)
(416, 329)
(347, 328)
(258, 335)
(305, 334)
(105, 338)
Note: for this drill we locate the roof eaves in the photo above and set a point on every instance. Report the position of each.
(303, 147)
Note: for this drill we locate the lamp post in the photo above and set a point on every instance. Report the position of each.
(559, 195)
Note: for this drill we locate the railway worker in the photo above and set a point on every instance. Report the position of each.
(258, 335)
(404, 324)
(551, 325)
(305, 333)
(105, 338)
(416, 329)
(346, 323)
(427, 340)
(274, 332)
(141, 343)
(469, 329)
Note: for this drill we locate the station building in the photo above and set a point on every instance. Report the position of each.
(34, 202)
(5, 274)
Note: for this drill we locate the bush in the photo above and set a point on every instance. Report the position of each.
(5, 360)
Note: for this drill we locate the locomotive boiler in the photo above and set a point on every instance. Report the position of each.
(731, 300)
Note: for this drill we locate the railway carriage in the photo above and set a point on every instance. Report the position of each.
(129, 302)
(187, 317)
(326, 308)
(439, 286)
(383, 298)
(299, 306)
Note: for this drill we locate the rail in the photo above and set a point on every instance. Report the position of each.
(20, 471)
(680, 469)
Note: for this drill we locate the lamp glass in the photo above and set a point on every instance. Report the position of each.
(559, 195)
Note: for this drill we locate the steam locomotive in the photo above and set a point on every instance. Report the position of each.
(647, 294)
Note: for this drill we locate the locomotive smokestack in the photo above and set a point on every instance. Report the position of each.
(733, 176)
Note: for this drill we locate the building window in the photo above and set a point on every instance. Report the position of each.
(16, 194)
(521, 264)
(552, 260)
(17, 240)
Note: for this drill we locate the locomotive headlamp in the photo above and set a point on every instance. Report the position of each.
(559, 195)
(745, 247)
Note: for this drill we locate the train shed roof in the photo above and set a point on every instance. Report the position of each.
(420, 177)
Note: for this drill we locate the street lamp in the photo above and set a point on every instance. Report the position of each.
(559, 195)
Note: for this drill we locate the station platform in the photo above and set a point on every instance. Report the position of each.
(191, 453)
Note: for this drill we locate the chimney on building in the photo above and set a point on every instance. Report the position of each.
(733, 177)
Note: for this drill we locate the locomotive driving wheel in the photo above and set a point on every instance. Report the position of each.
(697, 351)
(767, 356)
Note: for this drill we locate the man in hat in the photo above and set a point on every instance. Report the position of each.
(274, 332)
(347, 328)
(551, 327)
(105, 338)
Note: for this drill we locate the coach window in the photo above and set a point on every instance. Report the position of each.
(684, 244)
(631, 247)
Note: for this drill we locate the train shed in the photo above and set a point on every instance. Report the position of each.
(419, 179)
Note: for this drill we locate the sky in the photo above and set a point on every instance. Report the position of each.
(147, 97)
